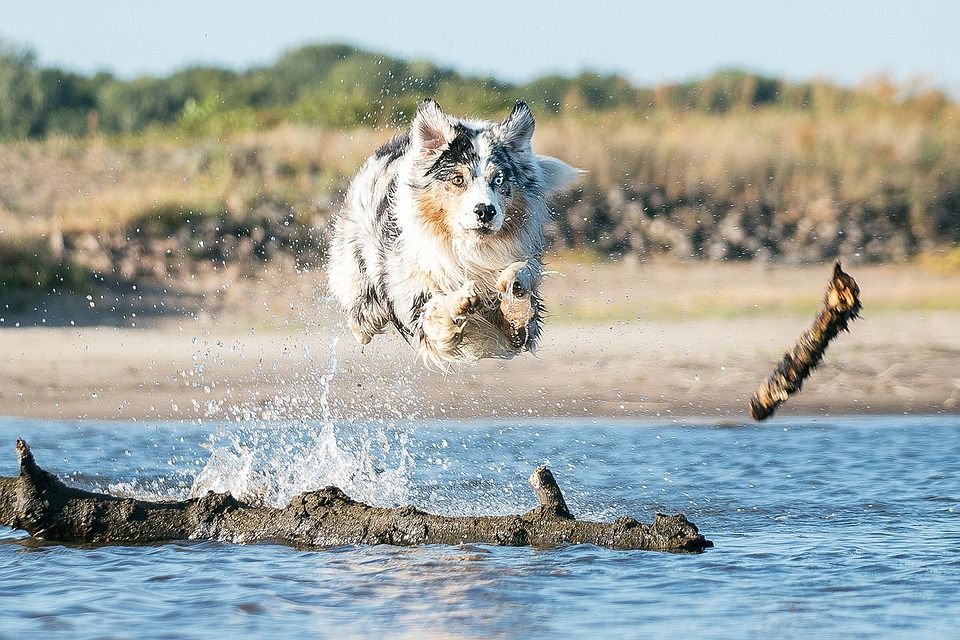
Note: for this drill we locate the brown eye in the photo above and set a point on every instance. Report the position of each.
(457, 181)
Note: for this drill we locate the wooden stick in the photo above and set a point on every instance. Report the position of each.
(841, 305)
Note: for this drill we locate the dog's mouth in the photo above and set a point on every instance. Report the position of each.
(480, 232)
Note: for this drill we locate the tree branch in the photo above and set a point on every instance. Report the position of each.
(39, 503)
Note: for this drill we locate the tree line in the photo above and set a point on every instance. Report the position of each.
(341, 86)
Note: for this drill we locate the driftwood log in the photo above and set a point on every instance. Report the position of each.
(40, 504)
(841, 304)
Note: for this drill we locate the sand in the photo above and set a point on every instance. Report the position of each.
(622, 340)
(700, 368)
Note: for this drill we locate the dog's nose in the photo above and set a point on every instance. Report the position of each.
(485, 212)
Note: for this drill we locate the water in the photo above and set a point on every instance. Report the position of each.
(847, 527)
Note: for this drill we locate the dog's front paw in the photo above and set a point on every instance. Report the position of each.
(466, 300)
(445, 317)
(439, 326)
(516, 285)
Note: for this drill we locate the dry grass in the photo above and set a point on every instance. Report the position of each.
(591, 291)
(803, 156)
(101, 184)
(809, 166)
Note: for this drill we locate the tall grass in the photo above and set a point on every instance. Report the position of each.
(870, 172)
(881, 181)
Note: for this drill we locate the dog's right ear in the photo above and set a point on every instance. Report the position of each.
(431, 127)
(517, 128)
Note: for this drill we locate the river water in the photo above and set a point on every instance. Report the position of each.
(842, 527)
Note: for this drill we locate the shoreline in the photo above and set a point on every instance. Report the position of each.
(698, 369)
(660, 340)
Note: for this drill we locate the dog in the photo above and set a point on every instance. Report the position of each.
(441, 235)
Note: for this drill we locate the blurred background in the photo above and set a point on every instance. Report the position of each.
(172, 169)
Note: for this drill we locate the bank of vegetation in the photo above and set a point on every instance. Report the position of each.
(208, 168)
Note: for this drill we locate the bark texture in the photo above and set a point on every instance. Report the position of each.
(840, 306)
(39, 503)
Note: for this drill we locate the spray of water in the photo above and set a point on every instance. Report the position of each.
(359, 424)
(268, 452)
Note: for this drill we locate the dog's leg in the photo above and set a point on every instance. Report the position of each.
(520, 305)
(367, 319)
(349, 279)
(443, 319)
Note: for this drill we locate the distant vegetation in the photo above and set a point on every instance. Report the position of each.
(340, 86)
(733, 166)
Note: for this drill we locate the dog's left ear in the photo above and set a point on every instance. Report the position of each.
(557, 174)
(517, 128)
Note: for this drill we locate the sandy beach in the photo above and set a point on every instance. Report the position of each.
(688, 342)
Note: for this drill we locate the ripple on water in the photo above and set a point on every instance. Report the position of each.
(844, 527)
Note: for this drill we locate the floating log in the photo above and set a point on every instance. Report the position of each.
(841, 305)
(42, 505)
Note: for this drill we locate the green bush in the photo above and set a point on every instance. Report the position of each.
(31, 265)
(336, 85)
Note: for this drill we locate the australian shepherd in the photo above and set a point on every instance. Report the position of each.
(442, 236)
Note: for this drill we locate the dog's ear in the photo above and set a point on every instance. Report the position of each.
(517, 128)
(557, 174)
(431, 128)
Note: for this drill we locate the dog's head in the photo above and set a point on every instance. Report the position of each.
(475, 179)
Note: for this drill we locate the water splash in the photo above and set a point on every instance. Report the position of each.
(293, 443)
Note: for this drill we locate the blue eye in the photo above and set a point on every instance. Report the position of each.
(498, 180)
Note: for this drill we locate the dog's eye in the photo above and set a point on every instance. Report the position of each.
(498, 180)
(457, 181)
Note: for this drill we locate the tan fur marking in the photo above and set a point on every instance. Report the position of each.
(433, 211)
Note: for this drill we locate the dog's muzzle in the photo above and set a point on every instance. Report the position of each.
(485, 213)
